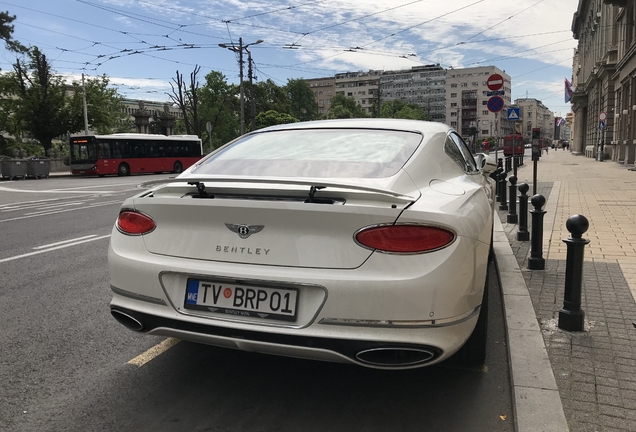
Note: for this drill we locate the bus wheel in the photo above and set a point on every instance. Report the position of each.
(178, 167)
(123, 170)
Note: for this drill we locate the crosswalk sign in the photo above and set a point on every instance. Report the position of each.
(513, 114)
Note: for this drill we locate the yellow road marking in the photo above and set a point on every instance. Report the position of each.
(153, 352)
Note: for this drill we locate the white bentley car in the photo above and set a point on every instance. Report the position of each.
(364, 241)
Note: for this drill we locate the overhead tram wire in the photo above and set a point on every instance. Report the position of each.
(355, 19)
(396, 33)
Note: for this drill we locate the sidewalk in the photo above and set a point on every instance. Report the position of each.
(595, 370)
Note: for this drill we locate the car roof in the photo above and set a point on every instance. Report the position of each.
(425, 127)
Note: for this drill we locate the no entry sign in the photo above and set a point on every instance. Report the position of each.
(495, 82)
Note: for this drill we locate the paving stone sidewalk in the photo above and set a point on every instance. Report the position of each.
(595, 369)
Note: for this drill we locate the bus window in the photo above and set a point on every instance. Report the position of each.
(104, 150)
(138, 150)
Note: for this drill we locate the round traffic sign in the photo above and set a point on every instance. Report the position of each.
(495, 82)
(495, 104)
(602, 116)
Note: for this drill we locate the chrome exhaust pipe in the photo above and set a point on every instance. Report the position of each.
(395, 356)
(126, 320)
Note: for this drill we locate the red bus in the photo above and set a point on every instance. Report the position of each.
(132, 153)
(513, 145)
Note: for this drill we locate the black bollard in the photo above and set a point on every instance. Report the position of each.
(522, 233)
(570, 315)
(503, 201)
(512, 201)
(497, 173)
(508, 167)
(536, 261)
(515, 163)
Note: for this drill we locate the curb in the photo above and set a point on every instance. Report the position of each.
(536, 400)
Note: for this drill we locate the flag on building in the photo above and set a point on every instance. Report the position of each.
(568, 90)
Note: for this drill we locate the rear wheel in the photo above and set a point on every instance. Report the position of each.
(178, 167)
(473, 353)
(123, 169)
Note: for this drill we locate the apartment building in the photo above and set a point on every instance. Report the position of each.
(467, 98)
(424, 86)
(324, 89)
(361, 86)
(533, 114)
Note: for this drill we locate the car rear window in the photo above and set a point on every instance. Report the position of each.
(323, 153)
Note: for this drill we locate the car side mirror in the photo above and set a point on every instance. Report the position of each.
(486, 163)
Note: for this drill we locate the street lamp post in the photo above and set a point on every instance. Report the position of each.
(239, 49)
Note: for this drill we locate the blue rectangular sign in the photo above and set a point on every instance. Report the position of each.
(513, 114)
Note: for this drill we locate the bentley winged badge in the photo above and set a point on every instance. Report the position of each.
(244, 231)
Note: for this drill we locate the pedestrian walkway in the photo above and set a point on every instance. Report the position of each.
(595, 370)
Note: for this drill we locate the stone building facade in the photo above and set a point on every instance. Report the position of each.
(604, 80)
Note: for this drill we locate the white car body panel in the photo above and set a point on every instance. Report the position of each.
(351, 298)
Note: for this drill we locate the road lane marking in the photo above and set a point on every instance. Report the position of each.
(52, 211)
(41, 206)
(52, 249)
(59, 211)
(5, 189)
(65, 241)
(153, 352)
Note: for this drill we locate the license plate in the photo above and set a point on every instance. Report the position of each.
(242, 301)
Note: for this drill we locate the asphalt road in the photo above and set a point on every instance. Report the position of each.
(64, 361)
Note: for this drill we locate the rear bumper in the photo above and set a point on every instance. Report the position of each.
(405, 305)
(309, 347)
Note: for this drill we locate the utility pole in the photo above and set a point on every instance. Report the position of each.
(239, 49)
(85, 108)
(241, 86)
(252, 101)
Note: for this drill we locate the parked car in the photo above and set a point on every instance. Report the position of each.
(363, 241)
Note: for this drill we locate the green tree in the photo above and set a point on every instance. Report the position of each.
(345, 107)
(105, 108)
(271, 118)
(6, 33)
(401, 110)
(269, 96)
(39, 101)
(219, 104)
(302, 100)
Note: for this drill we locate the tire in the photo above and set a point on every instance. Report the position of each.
(123, 170)
(178, 167)
(473, 353)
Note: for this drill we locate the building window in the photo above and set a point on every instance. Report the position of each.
(454, 85)
(484, 102)
(484, 132)
(454, 124)
(453, 95)
(464, 84)
(453, 104)
(485, 112)
(475, 83)
(453, 114)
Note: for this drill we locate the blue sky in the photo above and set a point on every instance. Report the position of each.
(141, 44)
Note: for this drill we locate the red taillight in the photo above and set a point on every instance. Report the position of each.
(134, 223)
(405, 238)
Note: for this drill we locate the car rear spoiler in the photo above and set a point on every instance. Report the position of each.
(317, 183)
